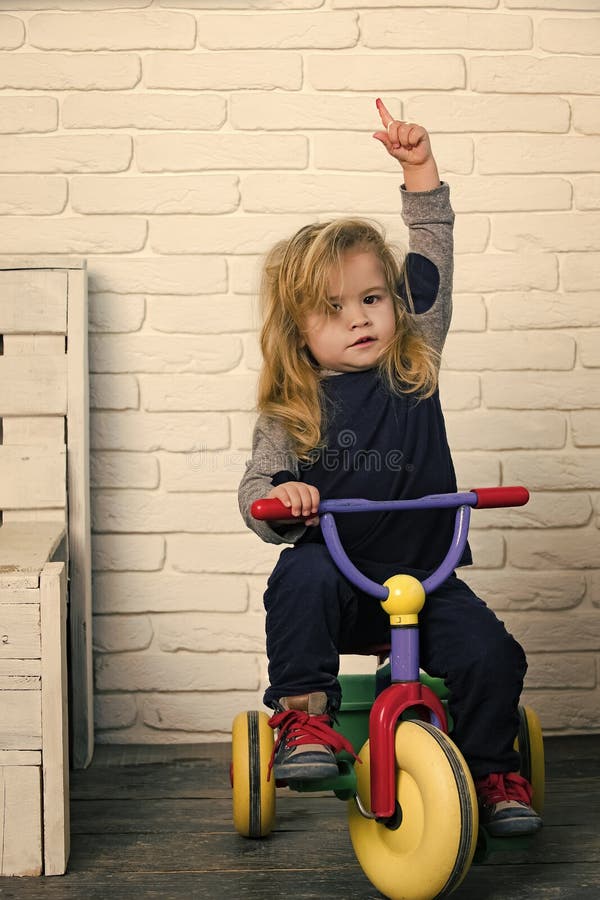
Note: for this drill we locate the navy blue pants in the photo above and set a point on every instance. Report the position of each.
(314, 613)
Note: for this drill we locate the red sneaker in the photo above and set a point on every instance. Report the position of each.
(306, 743)
(505, 805)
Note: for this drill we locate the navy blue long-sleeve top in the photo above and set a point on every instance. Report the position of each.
(379, 445)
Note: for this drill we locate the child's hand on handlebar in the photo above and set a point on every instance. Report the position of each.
(302, 498)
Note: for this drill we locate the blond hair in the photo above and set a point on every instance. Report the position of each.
(294, 283)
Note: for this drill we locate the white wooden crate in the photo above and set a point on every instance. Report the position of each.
(45, 558)
(34, 763)
(44, 439)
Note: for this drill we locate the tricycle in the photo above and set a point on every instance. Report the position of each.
(412, 807)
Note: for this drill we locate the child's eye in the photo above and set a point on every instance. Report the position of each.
(335, 307)
(372, 298)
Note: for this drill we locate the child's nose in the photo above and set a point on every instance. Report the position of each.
(356, 314)
(359, 318)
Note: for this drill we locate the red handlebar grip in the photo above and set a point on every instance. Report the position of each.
(490, 498)
(271, 510)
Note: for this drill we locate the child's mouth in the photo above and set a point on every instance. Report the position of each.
(365, 340)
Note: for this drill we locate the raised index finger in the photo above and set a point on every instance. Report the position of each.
(386, 116)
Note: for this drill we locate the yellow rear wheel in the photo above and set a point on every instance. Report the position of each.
(253, 795)
(428, 854)
(530, 744)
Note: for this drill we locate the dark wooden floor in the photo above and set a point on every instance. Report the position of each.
(156, 822)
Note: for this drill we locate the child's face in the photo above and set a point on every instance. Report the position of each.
(361, 322)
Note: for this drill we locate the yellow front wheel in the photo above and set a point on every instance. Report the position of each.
(530, 744)
(253, 794)
(430, 848)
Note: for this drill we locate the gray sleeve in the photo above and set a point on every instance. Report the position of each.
(271, 452)
(430, 220)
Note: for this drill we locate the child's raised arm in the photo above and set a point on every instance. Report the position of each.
(410, 145)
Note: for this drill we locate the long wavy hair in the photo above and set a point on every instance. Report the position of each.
(294, 282)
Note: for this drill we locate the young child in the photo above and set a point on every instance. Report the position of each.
(349, 407)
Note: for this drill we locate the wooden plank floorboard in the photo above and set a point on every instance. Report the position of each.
(578, 882)
(106, 816)
(570, 806)
(207, 852)
(155, 822)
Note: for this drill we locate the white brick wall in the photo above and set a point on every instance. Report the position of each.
(171, 142)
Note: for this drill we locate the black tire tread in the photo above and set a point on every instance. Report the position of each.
(466, 810)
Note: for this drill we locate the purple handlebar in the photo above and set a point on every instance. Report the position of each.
(347, 567)
(483, 497)
(435, 501)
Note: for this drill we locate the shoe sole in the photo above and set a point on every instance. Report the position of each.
(514, 827)
(306, 772)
